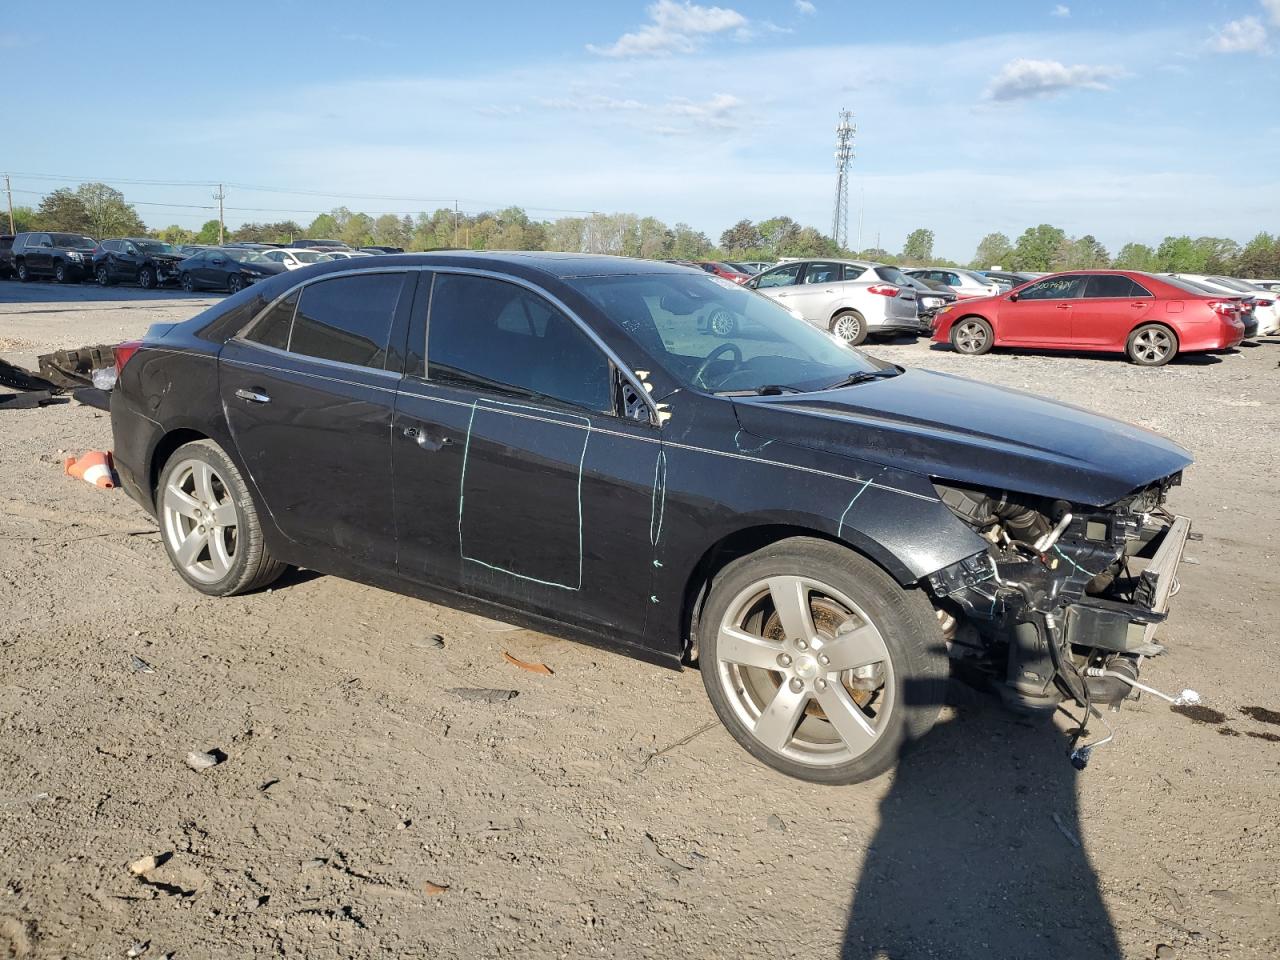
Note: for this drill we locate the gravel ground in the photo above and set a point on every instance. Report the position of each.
(602, 811)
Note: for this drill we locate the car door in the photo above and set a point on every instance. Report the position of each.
(516, 479)
(309, 392)
(129, 260)
(780, 283)
(819, 286)
(1039, 315)
(39, 253)
(1112, 305)
(214, 269)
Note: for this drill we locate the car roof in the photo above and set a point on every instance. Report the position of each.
(562, 266)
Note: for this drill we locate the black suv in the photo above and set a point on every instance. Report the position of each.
(63, 256)
(6, 256)
(149, 263)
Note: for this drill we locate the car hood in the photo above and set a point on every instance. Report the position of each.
(972, 433)
(263, 269)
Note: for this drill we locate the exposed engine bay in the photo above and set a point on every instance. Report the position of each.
(1064, 602)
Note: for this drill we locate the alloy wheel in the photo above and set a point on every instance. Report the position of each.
(848, 328)
(146, 279)
(235, 285)
(971, 337)
(60, 274)
(1152, 346)
(188, 284)
(200, 521)
(723, 323)
(805, 670)
(103, 279)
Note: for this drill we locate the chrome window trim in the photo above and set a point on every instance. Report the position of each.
(391, 376)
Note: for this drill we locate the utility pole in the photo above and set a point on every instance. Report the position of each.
(222, 227)
(9, 191)
(455, 224)
(845, 131)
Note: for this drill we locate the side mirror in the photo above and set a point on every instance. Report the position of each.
(1013, 297)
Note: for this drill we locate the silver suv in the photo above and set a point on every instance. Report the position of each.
(851, 298)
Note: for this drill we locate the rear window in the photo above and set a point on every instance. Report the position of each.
(73, 241)
(1190, 286)
(347, 319)
(892, 275)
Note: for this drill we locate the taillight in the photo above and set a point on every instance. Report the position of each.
(123, 352)
(1223, 307)
(1265, 303)
(883, 289)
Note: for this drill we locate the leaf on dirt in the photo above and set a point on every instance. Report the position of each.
(434, 889)
(140, 666)
(524, 665)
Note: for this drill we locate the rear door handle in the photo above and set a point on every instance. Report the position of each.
(424, 439)
(253, 396)
(1064, 306)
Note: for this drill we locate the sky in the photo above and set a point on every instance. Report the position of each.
(1129, 119)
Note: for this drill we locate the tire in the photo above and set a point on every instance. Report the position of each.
(850, 326)
(765, 686)
(24, 275)
(1151, 345)
(234, 283)
(147, 278)
(972, 336)
(103, 275)
(60, 272)
(188, 284)
(722, 323)
(227, 555)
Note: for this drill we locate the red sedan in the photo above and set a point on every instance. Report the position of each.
(722, 270)
(1149, 318)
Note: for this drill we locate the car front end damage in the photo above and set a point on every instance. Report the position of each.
(1064, 602)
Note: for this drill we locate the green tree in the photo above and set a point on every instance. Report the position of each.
(324, 227)
(1220, 254)
(655, 238)
(63, 210)
(1179, 255)
(740, 238)
(24, 218)
(1086, 253)
(810, 242)
(1136, 256)
(689, 244)
(777, 235)
(1039, 248)
(109, 215)
(389, 231)
(1260, 258)
(355, 229)
(208, 233)
(175, 234)
(995, 249)
(919, 246)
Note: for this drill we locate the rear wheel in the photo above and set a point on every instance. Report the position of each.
(23, 273)
(146, 278)
(60, 272)
(103, 275)
(209, 524)
(1151, 345)
(818, 663)
(973, 336)
(850, 326)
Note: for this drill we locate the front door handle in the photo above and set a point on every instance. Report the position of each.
(424, 439)
(253, 396)
(1064, 306)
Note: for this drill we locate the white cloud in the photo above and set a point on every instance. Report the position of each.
(1273, 11)
(1246, 35)
(805, 7)
(1021, 79)
(676, 27)
(1061, 10)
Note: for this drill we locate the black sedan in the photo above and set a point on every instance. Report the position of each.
(141, 260)
(225, 268)
(565, 442)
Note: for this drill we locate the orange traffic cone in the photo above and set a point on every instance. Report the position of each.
(94, 467)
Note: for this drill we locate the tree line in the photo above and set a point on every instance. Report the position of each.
(99, 210)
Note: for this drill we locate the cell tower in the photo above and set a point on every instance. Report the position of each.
(845, 131)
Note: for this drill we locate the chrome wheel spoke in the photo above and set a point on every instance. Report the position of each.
(790, 597)
(856, 648)
(737, 646)
(189, 549)
(846, 717)
(224, 514)
(778, 721)
(219, 559)
(180, 502)
(202, 478)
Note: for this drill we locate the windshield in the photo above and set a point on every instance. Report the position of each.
(73, 241)
(712, 335)
(240, 255)
(309, 256)
(154, 246)
(1182, 283)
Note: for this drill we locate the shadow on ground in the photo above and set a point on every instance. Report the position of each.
(969, 860)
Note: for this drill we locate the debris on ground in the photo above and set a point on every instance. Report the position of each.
(1062, 827)
(203, 761)
(434, 889)
(144, 865)
(29, 400)
(15, 377)
(95, 468)
(75, 368)
(436, 641)
(776, 822)
(138, 665)
(94, 397)
(672, 866)
(483, 694)
(541, 668)
(138, 949)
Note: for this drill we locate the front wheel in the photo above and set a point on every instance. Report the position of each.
(850, 326)
(209, 524)
(146, 278)
(1151, 345)
(60, 273)
(188, 284)
(818, 663)
(24, 274)
(103, 275)
(972, 336)
(722, 323)
(235, 284)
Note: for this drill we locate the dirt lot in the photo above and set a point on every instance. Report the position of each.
(602, 812)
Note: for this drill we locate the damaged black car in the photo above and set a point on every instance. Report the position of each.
(566, 442)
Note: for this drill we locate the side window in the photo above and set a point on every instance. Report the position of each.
(822, 273)
(950, 279)
(1113, 285)
(1055, 288)
(782, 277)
(852, 272)
(347, 319)
(492, 333)
(272, 328)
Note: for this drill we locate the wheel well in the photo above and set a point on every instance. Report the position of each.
(856, 313)
(164, 450)
(729, 548)
(1154, 323)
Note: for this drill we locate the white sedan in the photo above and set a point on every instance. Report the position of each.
(292, 259)
(1266, 307)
